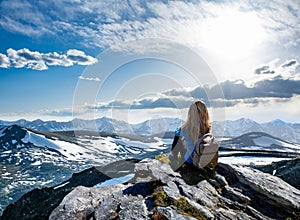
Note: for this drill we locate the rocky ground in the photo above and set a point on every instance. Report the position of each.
(157, 192)
(288, 170)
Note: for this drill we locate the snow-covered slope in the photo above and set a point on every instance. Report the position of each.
(259, 141)
(69, 150)
(236, 128)
(83, 147)
(256, 148)
(286, 131)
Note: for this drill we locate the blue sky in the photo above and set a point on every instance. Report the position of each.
(51, 51)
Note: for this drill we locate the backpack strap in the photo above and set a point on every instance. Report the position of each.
(177, 135)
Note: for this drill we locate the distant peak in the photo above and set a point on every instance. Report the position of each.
(247, 120)
(38, 121)
(277, 122)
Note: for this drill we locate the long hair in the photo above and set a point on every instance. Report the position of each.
(198, 121)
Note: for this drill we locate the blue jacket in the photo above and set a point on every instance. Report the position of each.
(190, 146)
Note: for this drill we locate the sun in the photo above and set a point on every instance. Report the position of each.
(232, 35)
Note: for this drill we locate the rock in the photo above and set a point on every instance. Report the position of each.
(151, 170)
(107, 208)
(287, 170)
(224, 214)
(278, 192)
(204, 193)
(235, 195)
(206, 213)
(82, 202)
(256, 214)
(172, 190)
(142, 189)
(218, 181)
(170, 213)
(269, 195)
(133, 208)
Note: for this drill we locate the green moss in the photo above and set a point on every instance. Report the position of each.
(186, 209)
(160, 198)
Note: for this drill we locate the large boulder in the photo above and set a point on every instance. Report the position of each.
(288, 170)
(82, 202)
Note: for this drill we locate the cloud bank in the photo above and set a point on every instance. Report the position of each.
(235, 93)
(41, 61)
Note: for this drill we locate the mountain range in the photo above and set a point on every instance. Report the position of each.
(227, 128)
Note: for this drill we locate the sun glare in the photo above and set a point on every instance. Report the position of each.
(233, 35)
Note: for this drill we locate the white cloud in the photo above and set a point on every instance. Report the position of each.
(37, 66)
(110, 22)
(89, 78)
(25, 18)
(40, 61)
(79, 57)
(281, 19)
(277, 69)
(4, 61)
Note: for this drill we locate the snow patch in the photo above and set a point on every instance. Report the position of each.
(36, 163)
(7, 152)
(118, 180)
(268, 141)
(61, 185)
(6, 174)
(1, 131)
(249, 160)
(69, 150)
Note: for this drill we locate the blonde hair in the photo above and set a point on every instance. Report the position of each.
(198, 121)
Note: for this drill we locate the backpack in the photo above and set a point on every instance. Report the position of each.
(206, 152)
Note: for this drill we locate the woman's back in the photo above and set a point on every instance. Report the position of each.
(196, 125)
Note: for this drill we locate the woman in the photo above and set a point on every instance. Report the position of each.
(196, 125)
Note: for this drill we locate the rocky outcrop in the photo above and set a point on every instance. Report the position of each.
(157, 192)
(288, 170)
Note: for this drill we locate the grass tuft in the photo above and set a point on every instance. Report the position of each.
(160, 198)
